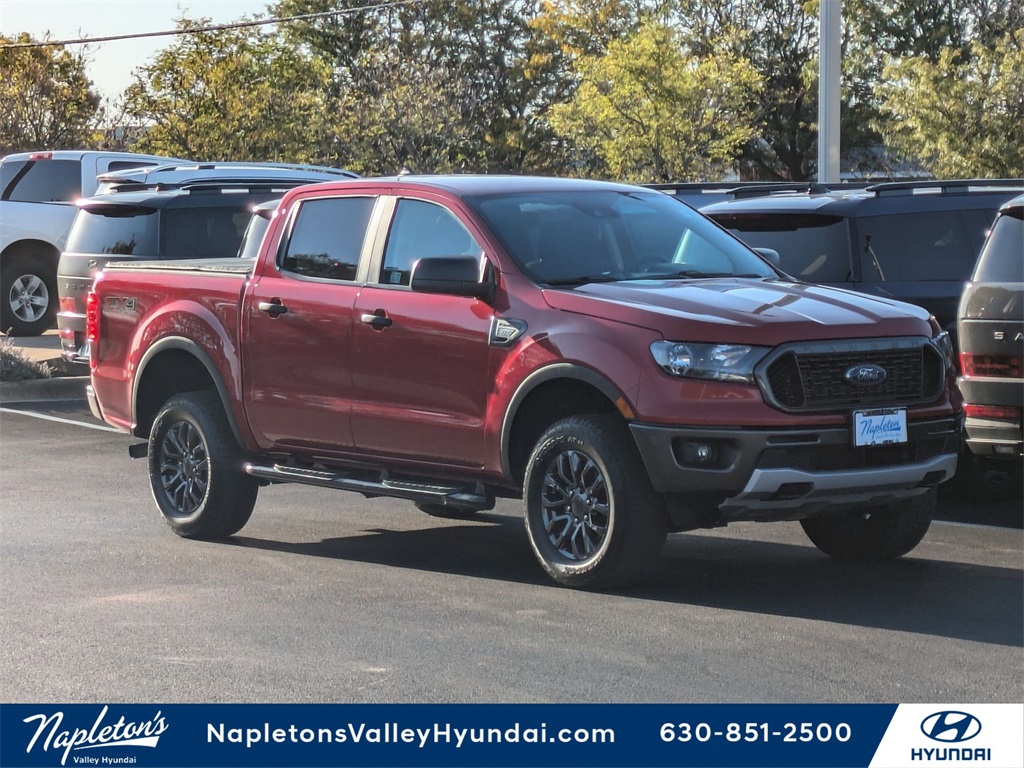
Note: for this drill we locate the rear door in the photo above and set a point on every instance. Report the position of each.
(297, 328)
(420, 377)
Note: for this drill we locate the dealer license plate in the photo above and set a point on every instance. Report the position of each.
(881, 426)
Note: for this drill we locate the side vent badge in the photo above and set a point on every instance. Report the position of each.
(505, 332)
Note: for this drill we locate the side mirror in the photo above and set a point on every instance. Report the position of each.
(453, 275)
(771, 256)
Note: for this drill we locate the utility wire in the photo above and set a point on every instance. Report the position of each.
(217, 27)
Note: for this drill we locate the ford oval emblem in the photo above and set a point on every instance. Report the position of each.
(951, 726)
(865, 375)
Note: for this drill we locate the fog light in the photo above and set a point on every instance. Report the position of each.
(699, 453)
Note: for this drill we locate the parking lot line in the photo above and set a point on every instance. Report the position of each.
(47, 417)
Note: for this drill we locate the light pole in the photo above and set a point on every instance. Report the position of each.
(828, 90)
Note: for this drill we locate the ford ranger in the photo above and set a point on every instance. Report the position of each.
(606, 353)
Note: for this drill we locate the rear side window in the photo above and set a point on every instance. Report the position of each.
(118, 230)
(204, 233)
(916, 247)
(813, 247)
(122, 165)
(41, 181)
(1002, 258)
(327, 237)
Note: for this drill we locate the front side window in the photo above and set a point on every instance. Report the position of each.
(327, 238)
(423, 230)
(813, 247)
(41, 181)
(575, 237)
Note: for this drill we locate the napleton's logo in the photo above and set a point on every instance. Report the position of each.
(120, 734)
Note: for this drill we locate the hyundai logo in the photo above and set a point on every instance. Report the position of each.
(865, 375)
(951, 726)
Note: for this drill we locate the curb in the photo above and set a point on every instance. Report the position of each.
(44, 390)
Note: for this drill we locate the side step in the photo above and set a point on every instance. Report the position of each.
(378, 484)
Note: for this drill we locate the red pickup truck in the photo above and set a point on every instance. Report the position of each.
(605, 352)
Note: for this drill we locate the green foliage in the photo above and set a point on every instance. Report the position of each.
(235, 94)
(962, 114)
(649, 110)
(45, 98)
(15, 366)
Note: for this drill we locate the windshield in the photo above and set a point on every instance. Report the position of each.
(571, 238)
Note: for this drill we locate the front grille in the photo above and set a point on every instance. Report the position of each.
(804, 379)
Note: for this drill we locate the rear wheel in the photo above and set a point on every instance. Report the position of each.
(28, 288)
(195, 468)
(592, 517)
(874, 534)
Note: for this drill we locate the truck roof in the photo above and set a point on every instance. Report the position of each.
(464, 185)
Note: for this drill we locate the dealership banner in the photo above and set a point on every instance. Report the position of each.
(534, 735)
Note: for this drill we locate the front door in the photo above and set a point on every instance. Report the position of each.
(420, 377)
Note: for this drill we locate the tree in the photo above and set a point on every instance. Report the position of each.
(46, 100)
(237, 94)
(476, 60)
(963, 115)
(649, 110)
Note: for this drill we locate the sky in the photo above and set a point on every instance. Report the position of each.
(110, 65)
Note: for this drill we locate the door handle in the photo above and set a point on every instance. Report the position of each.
(274, 307)
(378, 322)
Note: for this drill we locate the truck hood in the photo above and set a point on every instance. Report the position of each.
(738, 310)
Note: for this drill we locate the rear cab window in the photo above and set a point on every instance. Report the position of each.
(1002, 258)
(41, 181)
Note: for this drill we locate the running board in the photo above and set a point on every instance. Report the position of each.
(460, 496)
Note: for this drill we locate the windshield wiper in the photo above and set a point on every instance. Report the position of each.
(571, 281)
(696, 274)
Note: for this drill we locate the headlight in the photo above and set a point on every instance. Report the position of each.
(720, 362)
(944, 344)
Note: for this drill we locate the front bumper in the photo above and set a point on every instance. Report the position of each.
(775, 474)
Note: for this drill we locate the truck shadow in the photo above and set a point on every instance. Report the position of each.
(960, 601)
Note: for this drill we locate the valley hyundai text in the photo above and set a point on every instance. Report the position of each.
(611, 356)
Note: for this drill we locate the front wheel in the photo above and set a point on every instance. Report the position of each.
(875, 534)
(195, 469)
(29, 288)
(592, 517)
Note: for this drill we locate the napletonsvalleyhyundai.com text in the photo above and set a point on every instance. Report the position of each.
(394, 733)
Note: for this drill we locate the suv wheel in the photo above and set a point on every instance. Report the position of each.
(592, 517)
(29, 297)
(875, 534)
(195, 469)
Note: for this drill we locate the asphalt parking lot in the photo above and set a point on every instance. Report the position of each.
(329, 597)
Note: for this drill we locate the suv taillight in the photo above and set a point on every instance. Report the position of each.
(92, 320)
(1006, 366)
(1001, 412)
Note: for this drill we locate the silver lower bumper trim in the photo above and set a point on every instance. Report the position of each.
(792, 493)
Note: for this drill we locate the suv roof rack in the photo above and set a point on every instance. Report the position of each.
(947, 187)
(739, 189)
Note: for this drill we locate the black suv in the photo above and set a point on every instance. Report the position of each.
(992, 341)
(912, 241)
(170, 212)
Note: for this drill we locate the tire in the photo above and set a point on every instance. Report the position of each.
(28, 296)
(592, 517)
(875, 534)
(195, 469)
(447, 512)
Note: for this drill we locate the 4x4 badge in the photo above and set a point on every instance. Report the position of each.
(865, 375)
